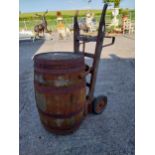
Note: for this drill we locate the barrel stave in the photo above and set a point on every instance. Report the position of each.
(60, 91)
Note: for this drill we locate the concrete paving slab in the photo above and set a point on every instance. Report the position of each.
(111, 133)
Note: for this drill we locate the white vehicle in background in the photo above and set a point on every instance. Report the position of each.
(25, 34)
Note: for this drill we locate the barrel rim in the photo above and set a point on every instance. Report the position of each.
(63, 52)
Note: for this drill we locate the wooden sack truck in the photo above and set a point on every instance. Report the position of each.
(95, 105)
(60, 83)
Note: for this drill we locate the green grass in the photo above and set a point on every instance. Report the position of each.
(29, 20)
(52, 14)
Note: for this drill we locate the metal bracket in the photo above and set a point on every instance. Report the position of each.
(112, 42)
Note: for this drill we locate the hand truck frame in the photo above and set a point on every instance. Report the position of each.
(95, 105)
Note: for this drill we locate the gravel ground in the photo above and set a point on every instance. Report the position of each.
(111, 133)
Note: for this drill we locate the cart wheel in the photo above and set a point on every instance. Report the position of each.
(99, 104)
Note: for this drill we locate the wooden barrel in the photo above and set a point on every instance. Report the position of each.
(60, 90)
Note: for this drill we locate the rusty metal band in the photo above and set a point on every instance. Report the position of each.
(61, 66)
(67, 63)
(59, 90)
(59, 72)
(63, 130)
(61, 116)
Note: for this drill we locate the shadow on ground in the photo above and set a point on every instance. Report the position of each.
(111, 133)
